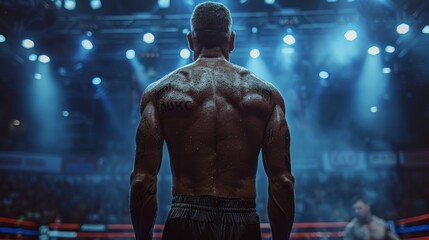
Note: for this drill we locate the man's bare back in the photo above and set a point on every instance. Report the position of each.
(215, 118)
(213, 115)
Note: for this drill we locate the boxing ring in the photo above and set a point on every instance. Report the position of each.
(413, 228)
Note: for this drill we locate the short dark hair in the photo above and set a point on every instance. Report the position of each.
(211, 24)
(356, 199)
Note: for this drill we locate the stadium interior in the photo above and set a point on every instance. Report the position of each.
(354, 75)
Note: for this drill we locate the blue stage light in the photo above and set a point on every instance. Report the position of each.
(185, 53)
(350, 35)
(148, 38)
(425, 30)
(44, 59)
(27, 43)
(374, 50)
(70, 4)
(130, 54)
(289, 39)
(390, 49)
(32, 57)
(324, 74)
(95, 4)
(87, 44)
(37, 76)
(402, 28)
(254, 53)
(387, 70)
(96, 81)
(164, 3)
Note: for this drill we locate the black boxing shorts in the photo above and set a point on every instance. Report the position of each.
(212, 218)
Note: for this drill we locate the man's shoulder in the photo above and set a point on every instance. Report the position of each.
(241, 70)
(379, 220)
(154, 88)
(253, 79)
(247, 74)
(272, 91)
(152, 91)
(352, 224)
(349, 232)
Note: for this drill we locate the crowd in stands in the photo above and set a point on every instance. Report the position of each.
(103, 197)
(73, 199)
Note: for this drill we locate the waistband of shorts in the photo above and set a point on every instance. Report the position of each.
(214, 209)
(222, 204)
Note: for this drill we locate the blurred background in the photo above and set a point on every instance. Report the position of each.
(354, 75)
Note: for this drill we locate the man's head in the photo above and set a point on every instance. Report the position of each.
(362, 208)
(211, 27)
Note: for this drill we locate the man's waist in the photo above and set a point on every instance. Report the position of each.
(214, 209)
(211, 203)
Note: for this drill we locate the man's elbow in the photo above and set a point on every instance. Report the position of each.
(143, 181)
(142, 191)
(283, 180)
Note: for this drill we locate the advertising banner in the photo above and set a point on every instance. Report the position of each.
(30, 162)
(344, 160)
(384, 159)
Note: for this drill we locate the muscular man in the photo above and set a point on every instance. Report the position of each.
(215, 117)
(366, 226)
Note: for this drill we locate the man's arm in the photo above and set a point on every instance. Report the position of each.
(391, 235)
(348, 232)
(149, 141)
(276, 156)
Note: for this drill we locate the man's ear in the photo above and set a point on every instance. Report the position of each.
(190, 41)
(232, 41)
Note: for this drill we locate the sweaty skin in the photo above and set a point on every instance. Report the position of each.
(374, 229)
(215, 118)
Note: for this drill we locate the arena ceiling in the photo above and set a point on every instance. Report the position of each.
(117, 27)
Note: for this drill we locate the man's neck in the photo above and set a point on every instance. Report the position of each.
(216, 52)
(366, 220)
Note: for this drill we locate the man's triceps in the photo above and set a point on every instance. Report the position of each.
(139, 143)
